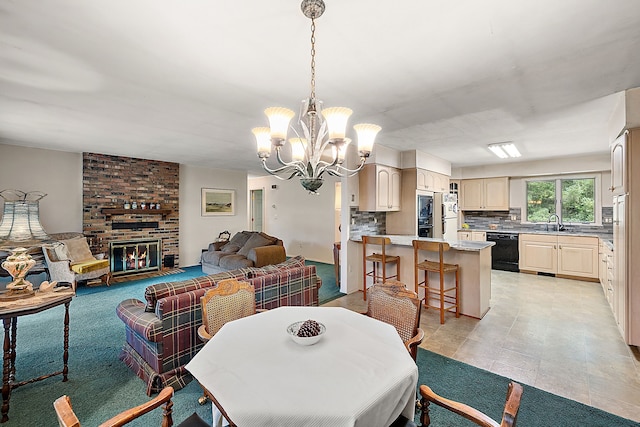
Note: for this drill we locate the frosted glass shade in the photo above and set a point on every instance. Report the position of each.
(279, 119)
(336, 118)
(298, 149)
(263, 141)
(366, 137)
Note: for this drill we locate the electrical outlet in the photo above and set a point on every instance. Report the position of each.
(514, 217)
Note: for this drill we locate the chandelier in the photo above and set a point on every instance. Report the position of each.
(320, 143)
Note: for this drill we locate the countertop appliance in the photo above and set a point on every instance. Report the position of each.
(450, 216)
(425, 215)
(504, 254)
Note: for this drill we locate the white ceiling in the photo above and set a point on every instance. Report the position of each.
(185, 81)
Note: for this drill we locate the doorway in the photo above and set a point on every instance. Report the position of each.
(257, 209)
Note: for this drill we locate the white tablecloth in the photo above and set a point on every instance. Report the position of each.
(358, 374)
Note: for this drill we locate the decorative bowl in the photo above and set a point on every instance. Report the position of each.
(293, 328)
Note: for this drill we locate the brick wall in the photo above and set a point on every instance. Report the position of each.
(110, 181)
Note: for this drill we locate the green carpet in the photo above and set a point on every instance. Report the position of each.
(100, 385)
(328, 291)
(487, 391)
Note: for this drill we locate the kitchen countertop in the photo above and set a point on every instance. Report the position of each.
(460, 245)
(603, 236)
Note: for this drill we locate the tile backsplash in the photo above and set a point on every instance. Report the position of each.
(364, 223)
(512, 221)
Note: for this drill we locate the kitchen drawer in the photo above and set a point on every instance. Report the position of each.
(578, 240)
(542, 238)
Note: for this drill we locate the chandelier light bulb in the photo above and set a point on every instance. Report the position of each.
(336, 118)
(366, 137)
(263, 141)
(298, 149)
(279, 119)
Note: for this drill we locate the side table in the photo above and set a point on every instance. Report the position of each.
(9, 312)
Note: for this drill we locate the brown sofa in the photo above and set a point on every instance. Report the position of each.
(244, 249)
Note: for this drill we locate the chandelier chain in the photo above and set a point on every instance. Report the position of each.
(313, 59)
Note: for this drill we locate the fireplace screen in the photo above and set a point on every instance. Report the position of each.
(135, 256)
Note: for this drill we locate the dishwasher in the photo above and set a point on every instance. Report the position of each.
(504, 254)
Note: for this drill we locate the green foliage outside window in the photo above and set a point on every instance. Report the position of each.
(541, 200)
(577, 200)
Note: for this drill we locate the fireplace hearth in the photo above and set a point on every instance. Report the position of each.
(135, 256)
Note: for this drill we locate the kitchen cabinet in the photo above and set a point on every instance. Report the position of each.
(379, 189)
(607, 275)
(578, 256)
(480, 236)
(618, 165)
(538, 253)
(569, 256)
(427, 180)
(484, 194)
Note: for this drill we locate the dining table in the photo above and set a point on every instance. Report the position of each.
(358, 374)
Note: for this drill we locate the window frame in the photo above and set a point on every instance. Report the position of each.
(597, 220)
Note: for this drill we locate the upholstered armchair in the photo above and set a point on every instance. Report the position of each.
(72, 261)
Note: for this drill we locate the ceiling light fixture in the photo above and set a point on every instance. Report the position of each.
(320, 145)
(504, 150)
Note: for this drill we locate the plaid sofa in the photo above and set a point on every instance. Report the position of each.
(161, 333)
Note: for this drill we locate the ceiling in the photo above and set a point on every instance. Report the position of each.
(186, 81)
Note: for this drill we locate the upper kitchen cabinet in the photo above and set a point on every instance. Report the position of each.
(430, 181)
(618, 165)
(484, 194)
(379, 188)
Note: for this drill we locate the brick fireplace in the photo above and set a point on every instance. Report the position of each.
(110, 182)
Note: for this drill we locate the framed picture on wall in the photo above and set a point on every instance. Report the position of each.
(218, 202)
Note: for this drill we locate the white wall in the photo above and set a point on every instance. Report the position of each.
(56, 173)
(197, 231)
(304, 222)
(560, 165)
(59, 174)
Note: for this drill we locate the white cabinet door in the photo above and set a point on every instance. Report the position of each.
(471, 194)
(578, 256)
(538, 253)
(496, 194)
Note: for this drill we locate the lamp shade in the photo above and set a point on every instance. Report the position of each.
(298, 148)
(336, 118)
(263, 141)
(20, 226)
(279, 119)
(366, 137)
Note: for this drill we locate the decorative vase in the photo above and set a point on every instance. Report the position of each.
(18, 264)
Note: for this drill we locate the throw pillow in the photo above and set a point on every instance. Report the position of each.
(61, 252)
(254, 241)
(78, 250)
(230, 248)
(239, 239)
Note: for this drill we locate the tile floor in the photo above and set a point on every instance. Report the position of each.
(558, 335)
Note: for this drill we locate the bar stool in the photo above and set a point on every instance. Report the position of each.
(377, 258)
(446, 301)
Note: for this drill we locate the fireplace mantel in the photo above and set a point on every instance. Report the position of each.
(121, 211)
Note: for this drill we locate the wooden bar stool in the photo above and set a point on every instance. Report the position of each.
(448, 298)
(377, 258)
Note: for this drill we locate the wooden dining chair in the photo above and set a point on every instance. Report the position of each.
(229, 300)
(67, 417)
(446, 298)
(379, 260)
(393, 303)
(509, 414)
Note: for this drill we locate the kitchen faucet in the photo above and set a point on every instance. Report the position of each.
(559, 226)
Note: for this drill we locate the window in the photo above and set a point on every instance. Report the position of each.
(573, 200)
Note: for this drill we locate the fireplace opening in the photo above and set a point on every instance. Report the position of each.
(135, 256)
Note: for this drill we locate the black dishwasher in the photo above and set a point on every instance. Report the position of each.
(504, 254)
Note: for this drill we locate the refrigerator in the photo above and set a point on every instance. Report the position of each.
(450, 216)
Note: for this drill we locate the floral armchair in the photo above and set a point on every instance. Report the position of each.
(72, 261)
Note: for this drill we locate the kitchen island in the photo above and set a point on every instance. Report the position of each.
(473, 257)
